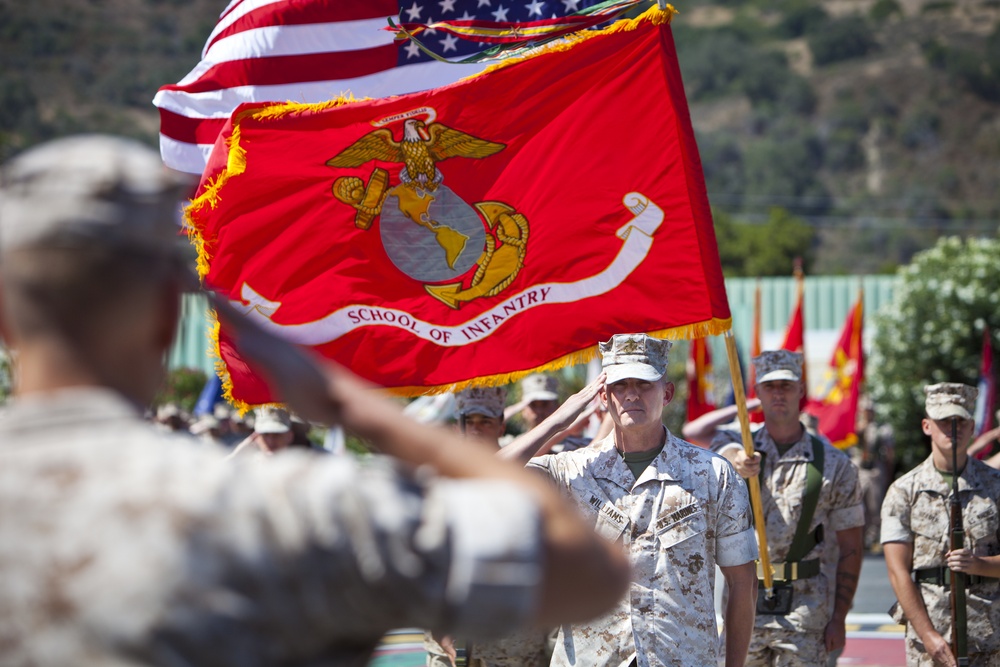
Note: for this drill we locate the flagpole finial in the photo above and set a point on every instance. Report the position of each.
(662, 4)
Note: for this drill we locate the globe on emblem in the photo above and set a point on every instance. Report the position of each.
(431, 236)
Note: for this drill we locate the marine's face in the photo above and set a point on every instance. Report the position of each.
(780, 398)
(275, 442)
(484, 427)
(536, 411)
(635, 403)
(939, 431)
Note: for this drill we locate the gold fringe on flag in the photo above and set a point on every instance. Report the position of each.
(714, 327)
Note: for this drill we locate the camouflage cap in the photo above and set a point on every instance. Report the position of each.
(539, 387)
(634, 356)
(91, 187)
(950, 399)
(222, 411)
(777, 365)
(168, 410)
(204, 424)
(272, 420)
(488, 401)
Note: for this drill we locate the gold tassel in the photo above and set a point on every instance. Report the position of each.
(653, 15)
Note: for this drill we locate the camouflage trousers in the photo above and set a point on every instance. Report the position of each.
(778, 647)
(917, 657)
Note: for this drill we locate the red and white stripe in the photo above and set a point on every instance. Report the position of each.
(287, 50)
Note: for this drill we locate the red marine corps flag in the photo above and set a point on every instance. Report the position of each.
(837, 407)
(699, 378)
(474, 233)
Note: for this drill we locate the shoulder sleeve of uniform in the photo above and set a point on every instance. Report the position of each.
(896, 511)
(735, 540)
(544, 463)
(725, 438)
(846, 509)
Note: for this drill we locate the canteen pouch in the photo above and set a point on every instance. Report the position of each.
(780, 602)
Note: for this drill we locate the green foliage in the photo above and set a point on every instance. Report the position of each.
(931, 7)
(843, 151)
(841, 39)
(722, 163)
(769, 83)
(182, 386)
(784, 166)
(801, 18)
(767, 249)
(919, 127)
(884, 9)
(932, 332)
(718, 62)
(848, 124)
(977, 68)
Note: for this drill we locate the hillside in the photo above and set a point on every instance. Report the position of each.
(876, 122)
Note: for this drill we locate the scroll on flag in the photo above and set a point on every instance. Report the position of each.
(987, 387)
(474, 233)
(699, 379)
(315, 50)
(837, 406)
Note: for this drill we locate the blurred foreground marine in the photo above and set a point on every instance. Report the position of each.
(122, 545)
(915, 538)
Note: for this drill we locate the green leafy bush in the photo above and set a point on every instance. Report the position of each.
(933, 332)
(182, 386)
(919, 128)
(766, 249)
(884, 9)
(801, 18)
(843, 150)
(842, 39)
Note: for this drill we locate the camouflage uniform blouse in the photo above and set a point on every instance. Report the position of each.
(782, 487)
(687, 512)
(916, 511)
(120, 545)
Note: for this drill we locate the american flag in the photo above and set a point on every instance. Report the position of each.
(316, 50)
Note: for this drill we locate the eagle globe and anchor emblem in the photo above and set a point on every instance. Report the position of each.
(428, 231)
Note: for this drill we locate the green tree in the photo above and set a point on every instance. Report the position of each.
(933, 332)
(182, 386)
(766, 249)
(842, 39)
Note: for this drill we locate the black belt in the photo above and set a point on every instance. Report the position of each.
(792, 571)
(941, 576)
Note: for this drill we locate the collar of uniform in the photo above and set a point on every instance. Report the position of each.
(800, 452)
(609, 464)
(75, 407)
(928, 477)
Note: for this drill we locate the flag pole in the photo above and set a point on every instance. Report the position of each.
(753, 482)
